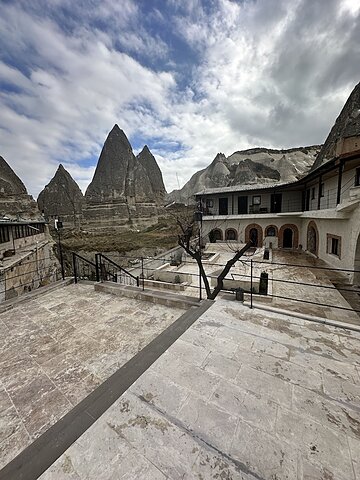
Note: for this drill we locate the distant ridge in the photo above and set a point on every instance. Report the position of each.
(252, 166)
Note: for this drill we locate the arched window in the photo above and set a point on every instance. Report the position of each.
(271, 231)
(231, 234)
(215, 235)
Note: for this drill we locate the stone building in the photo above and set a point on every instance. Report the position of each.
(319, 213)
(27, 259)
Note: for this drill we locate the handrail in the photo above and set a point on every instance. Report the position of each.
(74, 257)
(118, 266)
(99, 274)
(84, 259)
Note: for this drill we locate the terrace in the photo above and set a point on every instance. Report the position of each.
(94, 385)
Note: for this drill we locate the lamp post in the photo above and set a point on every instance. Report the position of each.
(198, 218)
(58, 226)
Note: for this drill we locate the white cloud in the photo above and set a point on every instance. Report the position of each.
(268, 73)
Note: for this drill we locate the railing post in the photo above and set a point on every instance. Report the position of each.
(251, 283)
(97, 268)
(61, 258)
(74, 267)
(200, 293)
(142, 273)
(101, 273)
(137, 282)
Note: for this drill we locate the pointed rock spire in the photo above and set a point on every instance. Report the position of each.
(148, 161)
(10, 183)
(62, 196)
(110, 177)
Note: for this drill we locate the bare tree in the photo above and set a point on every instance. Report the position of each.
(187, 240)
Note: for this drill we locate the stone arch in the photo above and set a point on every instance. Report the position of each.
(312, 238)
(295, 235)
(231, 234)
(215, 235)
(274, 229)
(248, 233)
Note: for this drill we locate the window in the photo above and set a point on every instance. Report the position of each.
(313, 193)
(357, 177)
(334, 245)
(209, 203)
(256, 199)
(270, 232)
(4, 234)
(322, 189)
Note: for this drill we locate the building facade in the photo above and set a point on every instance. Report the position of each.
(319, 213)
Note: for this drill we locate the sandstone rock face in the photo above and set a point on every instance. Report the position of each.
(62, 198)
(347, 125)
(147, 160)
(249, 167)
(125, 189)
(15, 203)
(10, 183)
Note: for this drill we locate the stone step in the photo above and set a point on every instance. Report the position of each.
(154, 296)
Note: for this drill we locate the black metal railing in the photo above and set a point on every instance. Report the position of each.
(83, 269)
(108, 270)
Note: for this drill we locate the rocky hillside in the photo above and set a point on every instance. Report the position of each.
(253, 166)
(61, 197)
(347, 125)
(14, 199)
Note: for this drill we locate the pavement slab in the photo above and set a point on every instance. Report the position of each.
(58, 348)
(264, 401)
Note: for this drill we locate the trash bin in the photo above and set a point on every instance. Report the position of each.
(239, 294)
(263, 287)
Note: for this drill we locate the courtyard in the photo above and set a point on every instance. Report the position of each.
(240, 395)
(236, 393)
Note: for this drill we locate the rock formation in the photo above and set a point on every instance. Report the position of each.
(252, 166)
(62, 198)
(15, 202)
(343, 135)
(147, 160)
(122, 191)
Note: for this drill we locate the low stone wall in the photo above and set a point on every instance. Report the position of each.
(165, 274)
(35, 268)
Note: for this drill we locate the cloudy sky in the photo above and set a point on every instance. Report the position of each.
(189, 78)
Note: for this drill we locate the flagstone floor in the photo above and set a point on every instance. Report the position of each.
(242, 394)
(57, 348)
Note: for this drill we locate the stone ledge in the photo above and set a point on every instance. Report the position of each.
(162, 298)
(14, 302)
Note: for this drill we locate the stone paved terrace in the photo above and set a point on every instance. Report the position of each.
(242, 394)
(57, 348)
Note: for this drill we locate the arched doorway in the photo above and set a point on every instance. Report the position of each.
(215, 235)
(288, 238)
(312, 238)
(254, 237)
(254, 233)
(231, 234)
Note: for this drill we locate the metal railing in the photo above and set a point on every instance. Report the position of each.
(83, 269)
(108, 270)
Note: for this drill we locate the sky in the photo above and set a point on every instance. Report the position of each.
(189, 78)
